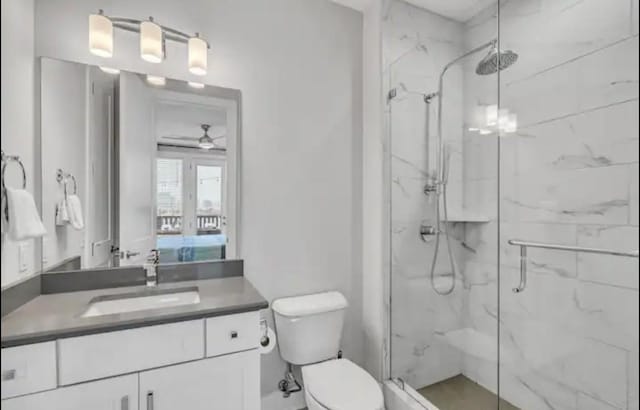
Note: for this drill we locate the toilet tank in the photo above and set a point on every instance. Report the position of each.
(309, 328)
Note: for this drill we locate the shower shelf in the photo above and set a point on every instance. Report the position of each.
(467, 217)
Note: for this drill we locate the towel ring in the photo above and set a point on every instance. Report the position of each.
(63, 178)
(6, 159)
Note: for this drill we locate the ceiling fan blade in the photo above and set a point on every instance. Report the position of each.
(179, 137)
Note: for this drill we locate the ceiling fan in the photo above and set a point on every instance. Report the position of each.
(204, 142)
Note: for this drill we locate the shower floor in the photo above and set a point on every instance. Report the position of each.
(461, 393)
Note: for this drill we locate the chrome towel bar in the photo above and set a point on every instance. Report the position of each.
(567, 248)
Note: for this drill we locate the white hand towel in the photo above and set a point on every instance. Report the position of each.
(74, 208)
(24, 219)
(62, 215)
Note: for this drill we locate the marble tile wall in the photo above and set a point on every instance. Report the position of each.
(416, 45)
(569, 175)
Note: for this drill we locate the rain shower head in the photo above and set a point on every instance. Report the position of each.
(495, 61)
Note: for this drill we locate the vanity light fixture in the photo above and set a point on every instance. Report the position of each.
(151, 42)
(153, 37)
(193, 84)
(100, 35)
(156, 80)
(197, 55)
(110, 70)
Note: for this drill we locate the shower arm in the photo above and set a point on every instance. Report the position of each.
(441, 177)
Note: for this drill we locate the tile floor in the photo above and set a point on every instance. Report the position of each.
(461, 393)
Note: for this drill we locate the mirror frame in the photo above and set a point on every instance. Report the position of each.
(229, 98)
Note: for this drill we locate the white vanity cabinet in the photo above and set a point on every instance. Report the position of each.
(202, 364)
(217, 383)
(116, 393)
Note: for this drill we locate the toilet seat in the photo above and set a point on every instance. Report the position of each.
(342, 385)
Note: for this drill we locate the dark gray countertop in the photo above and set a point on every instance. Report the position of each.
(59, 315)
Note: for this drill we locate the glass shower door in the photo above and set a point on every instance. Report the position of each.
(569, 177)
(443, 144)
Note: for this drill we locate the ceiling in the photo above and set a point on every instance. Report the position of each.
(460, 10)
(181, 119)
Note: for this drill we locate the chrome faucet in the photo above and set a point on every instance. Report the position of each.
(151, 267)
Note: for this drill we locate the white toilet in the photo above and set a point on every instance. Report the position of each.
(309, 330)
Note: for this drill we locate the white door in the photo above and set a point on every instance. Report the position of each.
(100, 199)
(117, 393)
(224, 382)
(137, 152)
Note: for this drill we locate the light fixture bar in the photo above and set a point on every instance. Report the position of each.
(133, 25)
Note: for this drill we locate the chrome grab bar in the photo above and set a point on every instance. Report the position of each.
(568, 248)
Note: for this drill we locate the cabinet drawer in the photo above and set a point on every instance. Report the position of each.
(28, 369)
(233, 333)
(125, 351)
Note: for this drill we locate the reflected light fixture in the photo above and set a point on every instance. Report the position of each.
(194, 84)
(197, 55)
(156, 80)
(151, 42)
(206, 142)
(100, 35)
(492, 115)
(110, 70)
(153, 37)
(512, 124)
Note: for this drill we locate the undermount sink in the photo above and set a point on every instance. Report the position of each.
(142, 300)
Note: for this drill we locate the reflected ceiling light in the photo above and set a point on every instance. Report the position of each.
(110, 70)
(512, 124)
(195, 85)
(197, 55)
(100, 35)
(156, 80)
(491, 115)
(503, 118)
(485, 132)
(151, 42)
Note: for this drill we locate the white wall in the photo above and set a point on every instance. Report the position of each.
(374, 225)
(18, 137)
(298, 64)
(63, 95)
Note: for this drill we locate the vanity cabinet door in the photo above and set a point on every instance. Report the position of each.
(117, 393)
(221, 383)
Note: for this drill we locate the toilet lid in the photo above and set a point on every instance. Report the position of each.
(342, 385)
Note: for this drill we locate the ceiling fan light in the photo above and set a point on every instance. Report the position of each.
(206, 143)
(100, 35)
(197, 55)
(151, 47)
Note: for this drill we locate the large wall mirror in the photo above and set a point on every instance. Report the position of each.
(133, 163)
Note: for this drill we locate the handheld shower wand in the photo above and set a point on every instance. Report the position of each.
(493, 62)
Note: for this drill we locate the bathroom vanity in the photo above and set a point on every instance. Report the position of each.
(121, 348)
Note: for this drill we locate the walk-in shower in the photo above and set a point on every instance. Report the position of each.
(526, 167)
(493, 62)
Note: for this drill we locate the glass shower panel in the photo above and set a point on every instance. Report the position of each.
(569, 176)
(444, 290)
